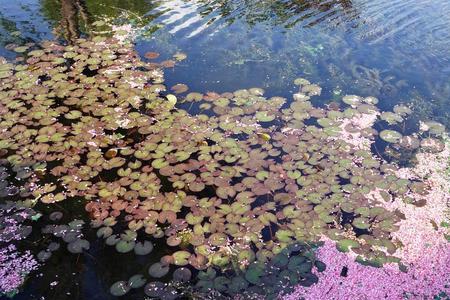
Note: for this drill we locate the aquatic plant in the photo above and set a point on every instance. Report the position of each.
(15, 265)
(228, 189)
(425, 249)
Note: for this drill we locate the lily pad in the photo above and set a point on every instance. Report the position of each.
(125, 246)
(136, 281)
(78, 246)
(143, 248)
(155, 289)
(182, 275)
(352, 100)
(181, 258)
(119, 288)
(264, 116)
(158, 270)
(345, 245)
(390, 136)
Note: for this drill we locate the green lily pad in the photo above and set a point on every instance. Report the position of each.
(21, 49)
(352, 100)
(320, 265)
(254, 274)
(346, 244)
(264, 116)
(390, 136)
(125, 246)
(361, 223)
(181, 258)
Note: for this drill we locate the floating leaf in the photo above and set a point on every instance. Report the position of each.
(155, 289)
(181, 258)
(172, 99)
(352, 100)
(180, 56)
(264, 116)
(345, 245)
(136, 281)
(143, 248)
(78, 246)
(390, 136)
(151, 55)
(182, 275)
(158, 270)
(125, 246)
(119, 288)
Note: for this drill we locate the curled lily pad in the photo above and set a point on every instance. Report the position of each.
(158, 270)
(390, 136)
(119, 288)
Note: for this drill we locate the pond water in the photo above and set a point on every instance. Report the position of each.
(397, 51)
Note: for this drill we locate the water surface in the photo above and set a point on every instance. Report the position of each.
(398, 51)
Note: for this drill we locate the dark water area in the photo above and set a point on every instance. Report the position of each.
(397, 51)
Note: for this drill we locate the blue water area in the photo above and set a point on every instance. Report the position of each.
(395, 50)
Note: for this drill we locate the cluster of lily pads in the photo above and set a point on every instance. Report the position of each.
(227, 181)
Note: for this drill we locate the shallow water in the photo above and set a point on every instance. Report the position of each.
(398, 51)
